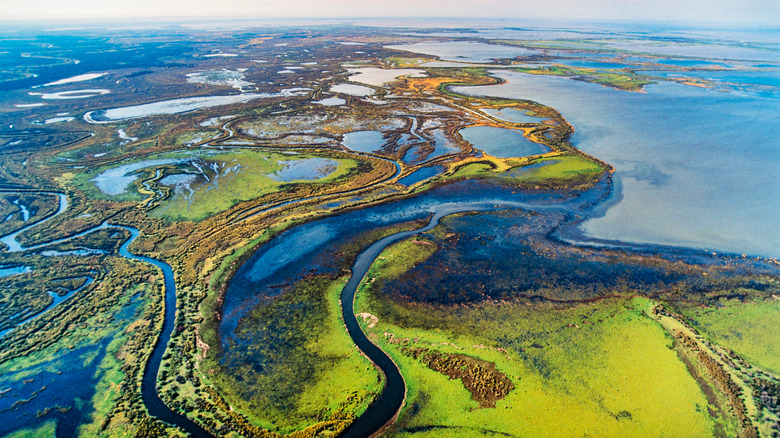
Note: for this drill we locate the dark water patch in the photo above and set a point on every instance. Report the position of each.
(62, 387)
(500, 256)
(421, 174)
(274, 338)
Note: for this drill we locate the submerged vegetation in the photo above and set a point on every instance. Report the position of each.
(496, 325)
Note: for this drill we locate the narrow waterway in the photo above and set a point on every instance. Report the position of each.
(149, 394)
(389, 402)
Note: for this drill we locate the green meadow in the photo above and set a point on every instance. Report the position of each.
(750, 328)
(596, 369)
(302, 364)
(196, 185)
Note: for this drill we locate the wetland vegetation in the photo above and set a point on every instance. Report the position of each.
(205, 197)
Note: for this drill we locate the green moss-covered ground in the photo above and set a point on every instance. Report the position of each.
(220, 180)
(599, 369)
(301, 363)
(548, 171)
(750, 328)
(612, 373)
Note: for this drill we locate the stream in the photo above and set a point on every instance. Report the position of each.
(151, 398)
(303, 249)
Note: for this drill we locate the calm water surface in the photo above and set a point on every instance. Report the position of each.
(694, 167)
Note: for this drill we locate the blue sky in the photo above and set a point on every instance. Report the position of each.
(760, 12)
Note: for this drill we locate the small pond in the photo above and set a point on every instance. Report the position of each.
(501, 142)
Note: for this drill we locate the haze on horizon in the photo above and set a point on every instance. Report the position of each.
(749, 12)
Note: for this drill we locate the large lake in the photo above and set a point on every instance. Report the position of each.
(694, 167)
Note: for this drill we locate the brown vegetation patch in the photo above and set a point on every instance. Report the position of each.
(480, 377)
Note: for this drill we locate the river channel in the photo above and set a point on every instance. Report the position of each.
(305, 249)
(150, 397)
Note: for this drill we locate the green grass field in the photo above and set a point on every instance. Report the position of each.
(209, 182)
(598, 369)
(617, 377)
(750, 328)
(565, 169)
(303, 366)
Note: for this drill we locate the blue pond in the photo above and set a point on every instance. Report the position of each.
(420, 174)
(364, 141)
(501, 142)
(511, 115)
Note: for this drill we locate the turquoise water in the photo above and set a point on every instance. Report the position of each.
(501, 142)
(694, 167)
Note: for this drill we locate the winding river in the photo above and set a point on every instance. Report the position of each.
(386, 406)
(149, 394)
(303, 249)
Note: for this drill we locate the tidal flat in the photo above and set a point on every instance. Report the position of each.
(341, 230)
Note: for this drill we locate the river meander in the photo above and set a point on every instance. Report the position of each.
(149, 394)
(309, 248)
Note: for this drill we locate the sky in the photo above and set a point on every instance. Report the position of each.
(758, 12)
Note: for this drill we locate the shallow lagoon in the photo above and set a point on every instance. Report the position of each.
(511, 115)
(183, 105)
(501, 142)
(468, 51)
(307, 169)
(694, 167)
(364, 141)
(115, 181)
